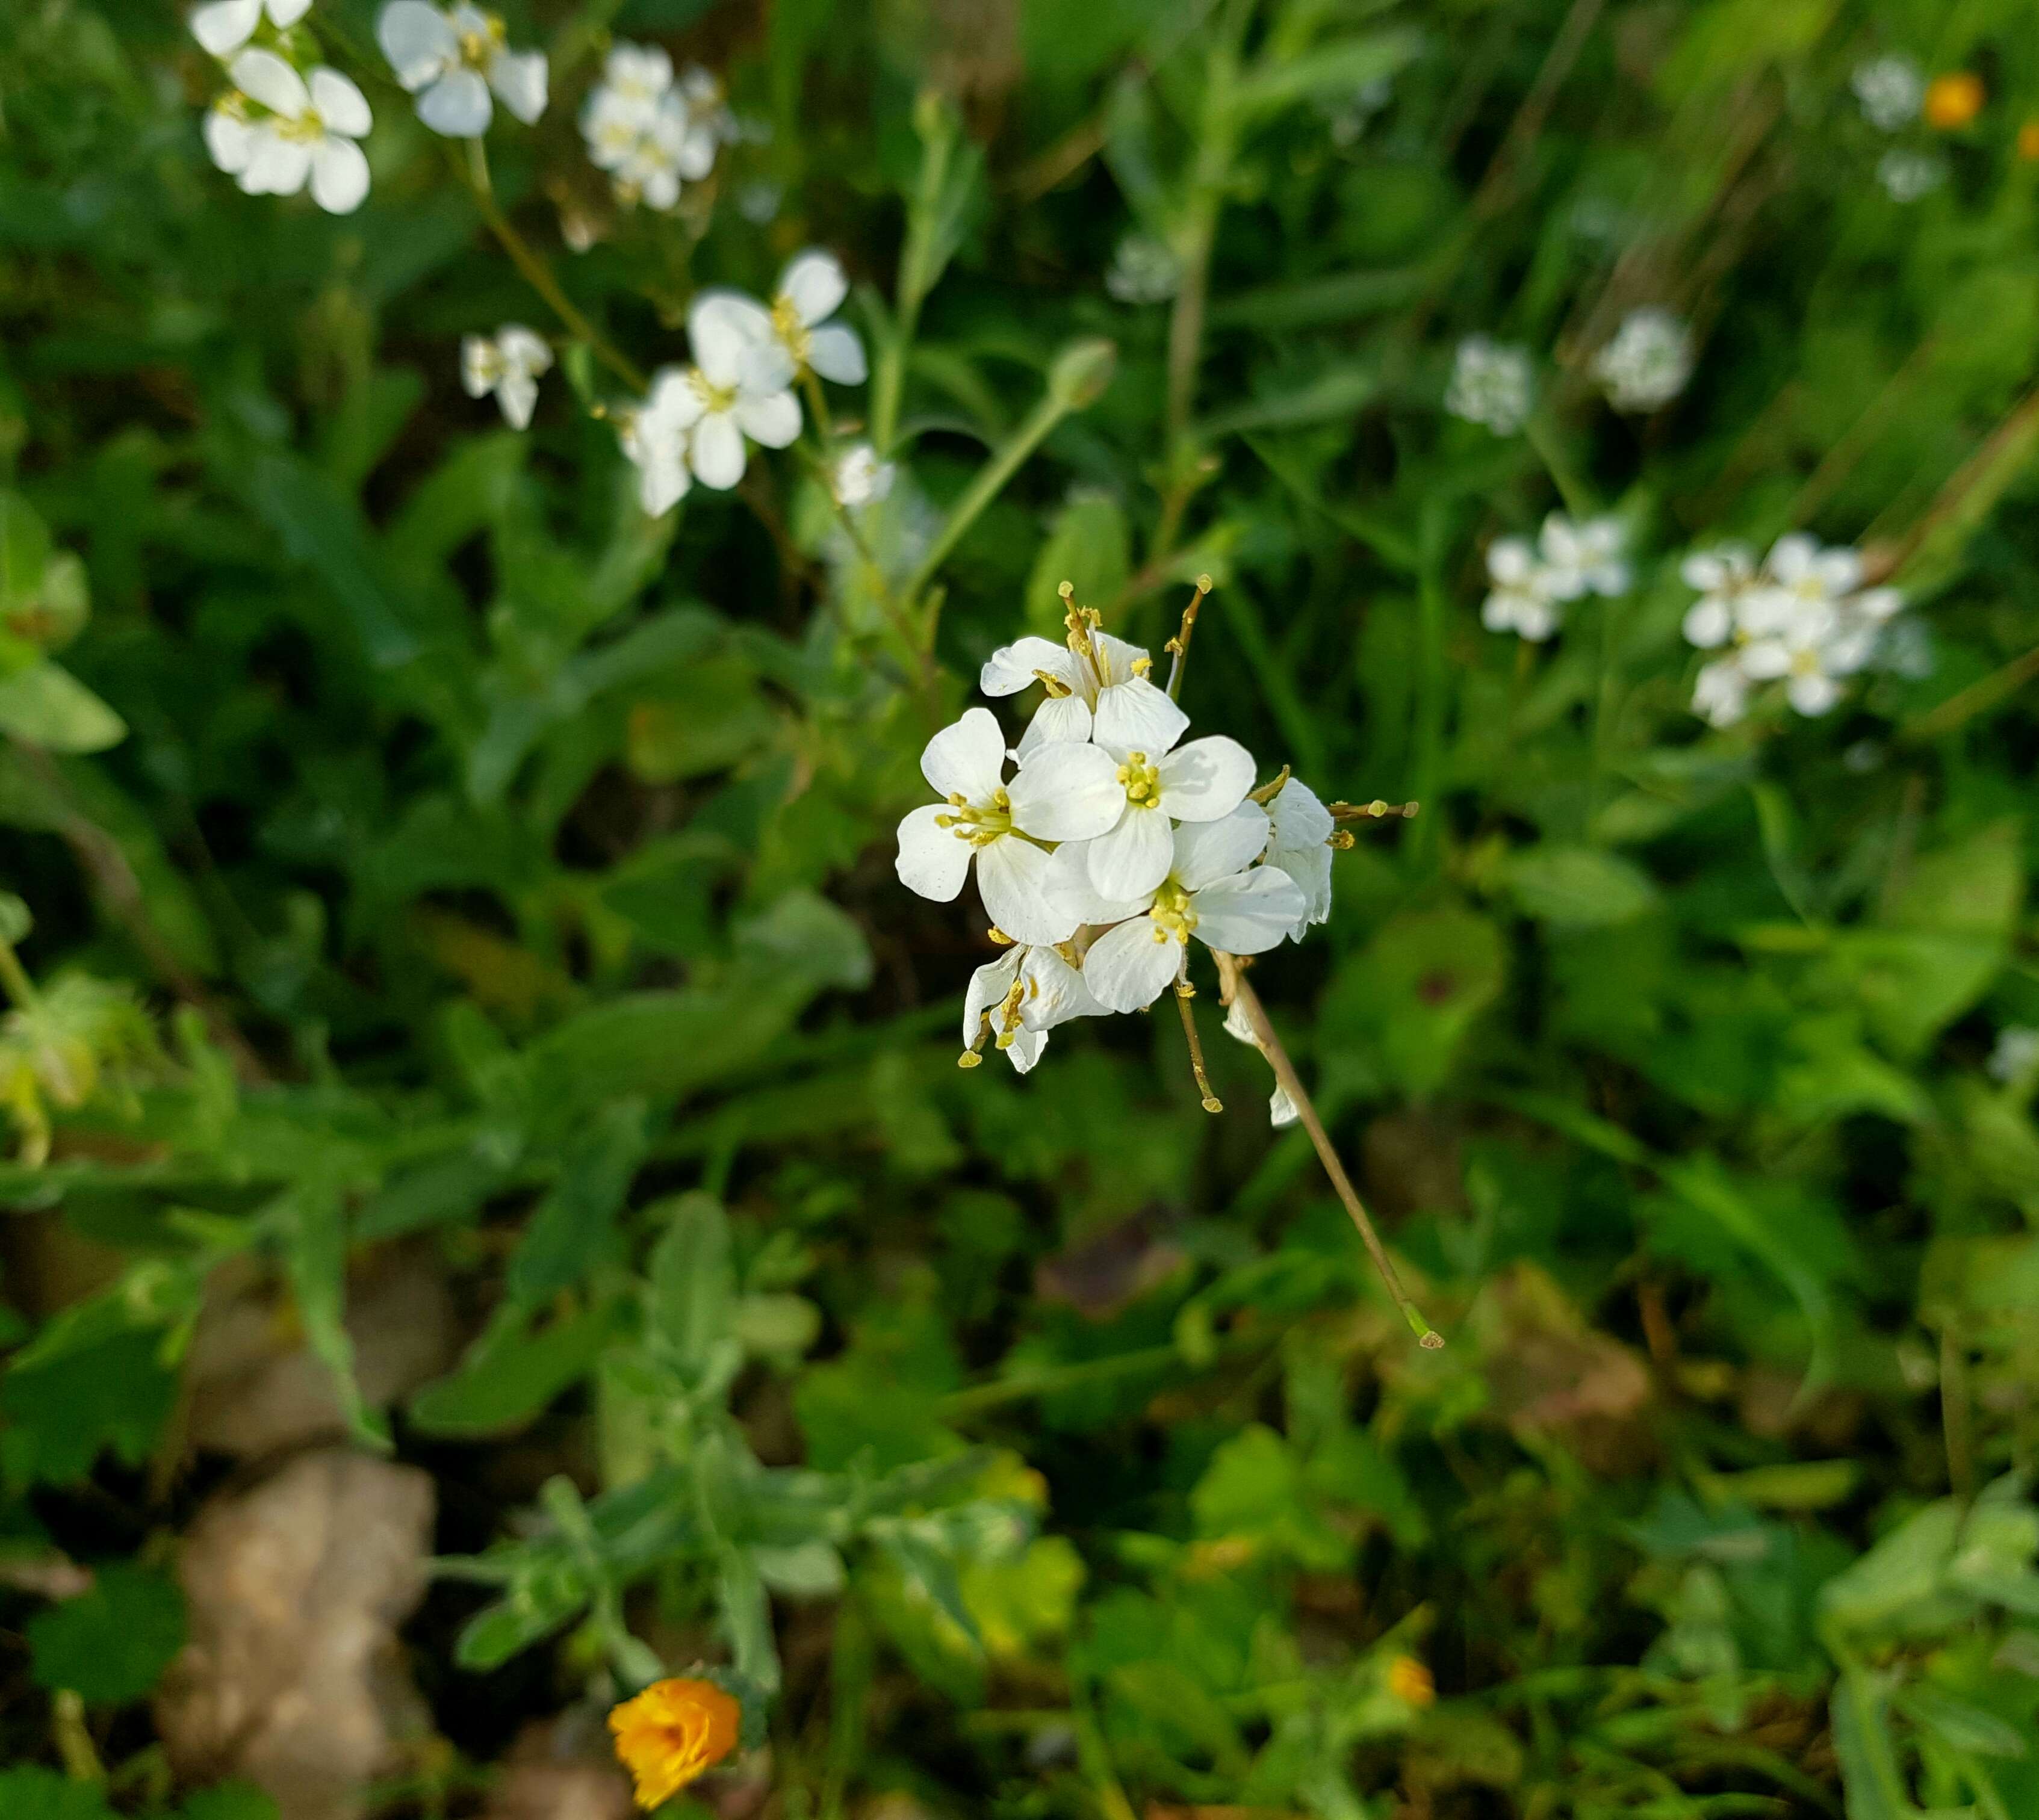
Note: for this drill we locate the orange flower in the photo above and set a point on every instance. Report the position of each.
(2028, 142)
(671, 1732)
(1408, 1679)
(1953, 101)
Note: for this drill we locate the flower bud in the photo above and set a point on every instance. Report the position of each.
(1082, 370)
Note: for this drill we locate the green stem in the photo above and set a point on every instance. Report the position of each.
(1543, 437)
(474, 172)
(1432, 681)
(14, 977)
(989, 482)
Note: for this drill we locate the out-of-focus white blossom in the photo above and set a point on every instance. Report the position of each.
(1490, 384)
(1891, 90)
(641, 127)
(1803, 617)
(277, 131)
(858, 478)
(1062, 792)
(1906, 176)
(1213, 891)
(224, 26)
(1143, 271)
(810, 291)
(452, 58)
(654, 438)
(2015, 1057)
(738, 388)
(509, 366)
(1518, 601)
(1647, 363)
(1532, 584)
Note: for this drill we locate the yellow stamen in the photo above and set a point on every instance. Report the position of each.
(1140, 780)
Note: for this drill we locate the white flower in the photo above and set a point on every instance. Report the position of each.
(1521, 600)
(637, 75)
(810, 289)
(1018, 999)
(1064, 792)
(1799, 574)
(858, 478)
(654, 436)
(1199, 782)
(510, 366)
(1720, 696)
(2016, 1054)
(1143, 270)
(1908, 176)
(280, 130)
(1723, 577)
(1891, 91)
(1812, 650)
(225, 25)
(1280, 1110)
(1583, 558)
(1301, 847)
(451, 58)
(1489, 385)
(1647, 363)
(1212, 891)
(737, 387)
(1097, 686)
(702, 93)
(640, 129)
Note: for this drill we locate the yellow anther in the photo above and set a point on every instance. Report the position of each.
(1142, 666)
(1056, 689)
(1067, 590)
(999, 936)
(1342, 839)
(969, 1058)
(1140, 780)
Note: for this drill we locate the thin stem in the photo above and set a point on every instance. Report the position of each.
(1542, 436)
(1184, 992)
(1977, 698)
(474, 173)
(14, 977)
(1179, 644)
(1238, 991)
(1216, 135)
(990, 481)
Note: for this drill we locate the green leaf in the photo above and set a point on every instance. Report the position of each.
(693, 1283)
(513, 1371)
(1339, 68)
(312, 1219)
(229, 1801)
(574, 1227)
(43, 1795)
(47, 705)
(1578, 887)
(111, 1645)
(113, 1395)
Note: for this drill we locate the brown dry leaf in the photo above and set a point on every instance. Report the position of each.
(1549, 1372)
(294, 1677)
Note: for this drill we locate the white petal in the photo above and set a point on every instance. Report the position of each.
(1055, 991)
(1069, 885)
(1011, 878)
(1310, 868)
(722, 325)
(1249, 912)
(1062, 718)
(662, 481)
(1766, 658)
(814, 285)
(1300, 818)
(1708, 622)
(264, 77)
(1792, 556)
(967, 759)
(1025, 1049)
(524, 349)
(1879, 604)
(1814, 694)
(1010, 667)
(457, 105)
(1065, 792)
(276, 166)
(226, 25)
(285, 13)
(1511, 561)
(932, 861)
(1208, 850)
(1208, 778)
(718, 451)
(340, 104)
(340, 175)
(519, 79)
(773, 420)
(1115, 657)
(1136, 716)
(1282, 1111)
(988, 987)
(836, 353)
(229, 139)
(1131, 966)
(419, 40)
(519, 397)
(1130, 860)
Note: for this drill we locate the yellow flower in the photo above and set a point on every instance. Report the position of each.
(1953, 100)
(1409, 1680)
(671, 1732)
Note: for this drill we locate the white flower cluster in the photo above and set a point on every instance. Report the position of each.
(1111, 845)
(457, 61)
(651, 130)
(1490, 384)
(1891, 90)
(1908, 176)
(1533, 583)
(1647, 363)
(694, 422)
(1143, 270)
(2014, 1060)
(1802, 615)
(509, 366)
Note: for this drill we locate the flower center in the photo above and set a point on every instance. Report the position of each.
(1142, 780)
(1173, 913)
(480, 47)
(980, 824)
(786, 323)
(1806, 663)
(306, 127)
(717, 398)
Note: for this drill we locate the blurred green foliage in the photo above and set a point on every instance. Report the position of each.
(414, 851)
